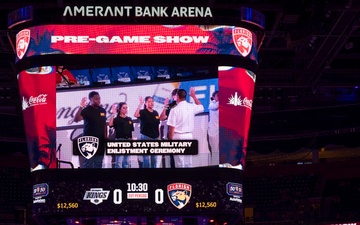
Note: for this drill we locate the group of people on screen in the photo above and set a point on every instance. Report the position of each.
(122, 74)
(178, 115)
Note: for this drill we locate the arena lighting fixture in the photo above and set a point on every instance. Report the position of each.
(223, 68)
(77, 221)
(116, 220)
(161, 220)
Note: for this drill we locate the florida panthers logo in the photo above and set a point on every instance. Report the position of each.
(242, 40)
(88, 146)
(179, 194)
(22, 42)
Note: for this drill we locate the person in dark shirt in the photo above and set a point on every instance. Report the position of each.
(168, 106)
(149, 129)
(163, 117)
(94, 117)
(124, 127)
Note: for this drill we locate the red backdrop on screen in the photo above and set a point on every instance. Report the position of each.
(38, 97)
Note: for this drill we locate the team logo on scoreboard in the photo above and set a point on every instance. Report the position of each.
(179, 194)
(242, 40)
(22, 42)
(96, 195)
(88, 146)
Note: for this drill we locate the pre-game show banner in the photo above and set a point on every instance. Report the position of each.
(136, 39)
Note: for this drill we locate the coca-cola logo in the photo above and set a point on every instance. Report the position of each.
(247, 102)
(33, 101)
(238, 101)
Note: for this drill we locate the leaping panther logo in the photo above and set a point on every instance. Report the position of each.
(179, 194)
(88, 146)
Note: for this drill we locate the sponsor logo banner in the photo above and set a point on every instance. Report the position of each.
(39, 192)
(235, 191)
(33, 101)
(235, 103)
(238, 100)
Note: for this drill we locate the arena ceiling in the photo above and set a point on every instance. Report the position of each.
(307, 83)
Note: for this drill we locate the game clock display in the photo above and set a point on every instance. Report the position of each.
(181, 195)
(137, 187)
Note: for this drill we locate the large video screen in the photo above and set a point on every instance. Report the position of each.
(141, 124)
(217, 136)
(152, 111)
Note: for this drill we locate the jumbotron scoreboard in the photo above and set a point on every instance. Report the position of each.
(125, 52)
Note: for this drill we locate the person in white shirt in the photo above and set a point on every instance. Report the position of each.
(181, 123)
(213, 128)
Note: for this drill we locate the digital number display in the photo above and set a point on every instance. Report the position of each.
(67, 205)
(205, 205)
(137, 187)
(153, 191)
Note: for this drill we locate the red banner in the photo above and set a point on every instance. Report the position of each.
(136, 39)
(236, 87)
(38, 97)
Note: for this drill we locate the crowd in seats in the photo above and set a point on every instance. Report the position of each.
(15, 194)
(279, 198)
(329, 195)
(342, 198)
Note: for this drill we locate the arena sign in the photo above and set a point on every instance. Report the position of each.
(137, 11)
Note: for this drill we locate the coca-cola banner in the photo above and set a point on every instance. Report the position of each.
(136, 39)
(236, 87)
(38, 97)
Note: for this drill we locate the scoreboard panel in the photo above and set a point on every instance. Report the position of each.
(122, 61)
